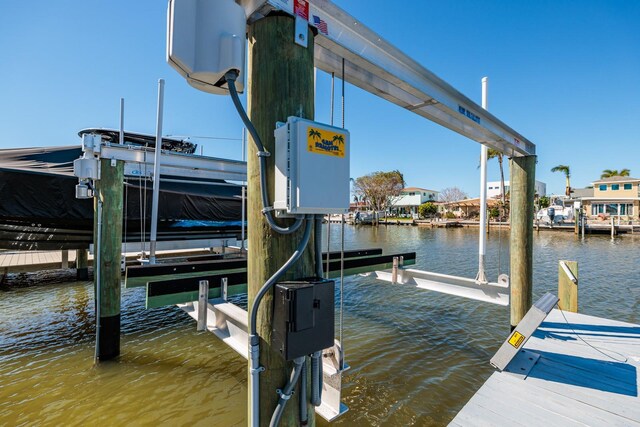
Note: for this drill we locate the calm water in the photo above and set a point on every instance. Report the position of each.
(416, 356)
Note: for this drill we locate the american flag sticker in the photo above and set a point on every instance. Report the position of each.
(320, 25)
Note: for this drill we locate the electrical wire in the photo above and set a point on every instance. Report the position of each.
(231, 77)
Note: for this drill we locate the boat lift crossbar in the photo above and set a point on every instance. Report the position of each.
(139, 162)
(494, 293)
(376, 66)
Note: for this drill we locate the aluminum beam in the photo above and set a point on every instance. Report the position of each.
(228, 322)
(494, 293)
(139, 162)
(373, 64)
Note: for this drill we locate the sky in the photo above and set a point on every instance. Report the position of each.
(564, 74)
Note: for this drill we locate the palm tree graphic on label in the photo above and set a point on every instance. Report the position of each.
(314, 135)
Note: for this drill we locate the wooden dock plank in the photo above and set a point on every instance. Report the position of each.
(587, 374)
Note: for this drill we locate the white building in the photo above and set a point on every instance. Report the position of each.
(412, 197)
(494, 189)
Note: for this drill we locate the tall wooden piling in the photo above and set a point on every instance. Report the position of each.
(82, 264)
(567, 288)
(280, 84)
(522, 171)
(110, 192)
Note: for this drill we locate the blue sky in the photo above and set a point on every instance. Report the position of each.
(565, 74)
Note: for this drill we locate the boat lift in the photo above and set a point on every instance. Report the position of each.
(373, 64)
(344, 46)
(376, 66)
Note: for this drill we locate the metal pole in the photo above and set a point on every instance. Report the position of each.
(96, 272)
(482, 247)
(243, 217)
(121, 139)
(203, 297)
(156, 175)
(244, 188)
(613, 229)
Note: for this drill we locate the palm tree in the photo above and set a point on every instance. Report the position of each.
(567, 173)
(608, 173)
(495, 154)
(338, 138)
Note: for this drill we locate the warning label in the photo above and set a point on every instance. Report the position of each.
(516, 339)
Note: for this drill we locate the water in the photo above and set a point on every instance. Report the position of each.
(416, 356)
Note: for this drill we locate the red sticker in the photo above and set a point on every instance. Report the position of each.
(301, 9)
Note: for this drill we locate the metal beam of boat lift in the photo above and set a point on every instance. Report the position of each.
(494, 293)
(373, 64)
(139, 162)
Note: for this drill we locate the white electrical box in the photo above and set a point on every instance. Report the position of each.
(205, 40)
(312, 168)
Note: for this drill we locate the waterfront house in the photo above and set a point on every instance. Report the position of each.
(411, 198)
(494, 189)
(617, 196)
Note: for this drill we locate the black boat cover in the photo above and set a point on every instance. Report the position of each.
(37, 189)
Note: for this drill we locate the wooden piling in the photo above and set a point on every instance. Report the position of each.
(576, 220)
(110, 191)
(522, 171)
(280, 84)
(567, 289)
(82, 264)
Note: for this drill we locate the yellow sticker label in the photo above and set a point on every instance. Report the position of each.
(325, 142)
(516, 339)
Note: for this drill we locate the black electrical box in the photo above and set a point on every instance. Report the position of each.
(303, 317)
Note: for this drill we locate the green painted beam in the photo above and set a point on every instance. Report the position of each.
(184, 297)
(215, 292)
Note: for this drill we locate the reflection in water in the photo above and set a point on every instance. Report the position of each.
(416, 356)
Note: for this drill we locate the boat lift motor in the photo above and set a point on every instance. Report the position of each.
(205, 40)
(87, 167)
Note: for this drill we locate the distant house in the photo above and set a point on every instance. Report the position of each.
(468, 208)
(615, 196)
(494, 188)
(411, 198)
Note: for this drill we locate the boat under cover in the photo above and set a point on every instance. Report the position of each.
(39, 211)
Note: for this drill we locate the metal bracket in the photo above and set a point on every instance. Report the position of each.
(522, 363)
(568, 272)
(259, 369)
(523, 331)
(284, 396)
(301, 31)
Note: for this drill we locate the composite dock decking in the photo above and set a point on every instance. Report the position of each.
(23, 261)
(572, 383)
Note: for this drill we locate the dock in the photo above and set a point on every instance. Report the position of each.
(26, 261)
(586, 374)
